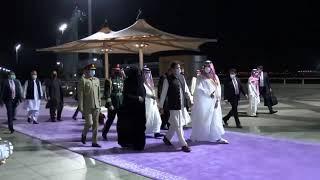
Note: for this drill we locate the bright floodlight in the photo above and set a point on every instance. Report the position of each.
(63, 27)
(95, 59)
(18, 46)
(58, 63)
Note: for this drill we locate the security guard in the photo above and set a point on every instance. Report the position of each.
(90, 103)
(113, 92)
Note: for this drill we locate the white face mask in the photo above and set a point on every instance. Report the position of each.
(178, 71)
(34, 77)
(232, 76)
(207, 70)
(92, 73)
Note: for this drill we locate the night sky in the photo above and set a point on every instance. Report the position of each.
(280, 35)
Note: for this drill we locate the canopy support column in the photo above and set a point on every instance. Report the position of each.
(140, 58)
(106, 65)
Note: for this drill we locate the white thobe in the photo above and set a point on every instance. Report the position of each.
(153, 118)
(206, 119)
(254, 99)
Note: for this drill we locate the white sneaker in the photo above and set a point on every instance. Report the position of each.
(222, 141)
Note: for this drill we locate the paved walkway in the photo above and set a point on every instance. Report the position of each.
(298, 118)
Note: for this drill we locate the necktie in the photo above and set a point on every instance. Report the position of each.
(235, 84)
(261, 80)
(13, 89)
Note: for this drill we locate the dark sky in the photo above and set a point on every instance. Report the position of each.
(280, 35)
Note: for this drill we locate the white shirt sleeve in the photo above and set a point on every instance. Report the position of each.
(164, 92)
(25, 89)
(188, 92)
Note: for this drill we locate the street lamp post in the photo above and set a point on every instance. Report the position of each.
(17, 48)
(63, 27)
(90, 17)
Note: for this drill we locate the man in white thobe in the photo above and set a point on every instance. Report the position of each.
(33, 94)
(175, 87)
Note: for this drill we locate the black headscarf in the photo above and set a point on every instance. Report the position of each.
(133, 84)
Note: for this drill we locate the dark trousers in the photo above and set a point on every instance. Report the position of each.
(266, 97)
(11, 106)
(76, 113)
(165, 118)
(233, 112)
(55, 109)
(109, 122)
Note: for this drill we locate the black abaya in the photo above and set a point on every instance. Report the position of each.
(131, 123)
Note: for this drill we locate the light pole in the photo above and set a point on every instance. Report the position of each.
(17, 48)
(90, 17)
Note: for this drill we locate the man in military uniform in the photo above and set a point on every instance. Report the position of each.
(113, 92)
(89, 103)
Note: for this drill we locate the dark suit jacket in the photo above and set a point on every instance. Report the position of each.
(6, 93)
(266, 83)
(229, 90)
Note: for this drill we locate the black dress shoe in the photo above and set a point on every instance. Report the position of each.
(225, 121)
(273, 112)
(35, 122)
(185, 149)
(74, 118)
(12, 131)
(96, 145)
(164, 128)
(157, 135)
(29, 120)
(104, 136)
(166, 141)
(53, 120)
(83, 139)
(59, 119)
(239, 126)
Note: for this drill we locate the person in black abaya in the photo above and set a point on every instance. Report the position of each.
(131, 123)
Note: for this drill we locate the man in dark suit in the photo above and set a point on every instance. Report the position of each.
(232, 90)
(11, 96)
(265, 89)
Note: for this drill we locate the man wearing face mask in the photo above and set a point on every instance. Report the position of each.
(55, 96)
(11, 96)
(113, 90)
(90, 103)
(33, 94)
(176, 89)
(232, 90)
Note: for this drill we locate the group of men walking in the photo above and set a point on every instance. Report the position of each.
(131, 95)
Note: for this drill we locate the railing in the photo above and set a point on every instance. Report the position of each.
(291, 80)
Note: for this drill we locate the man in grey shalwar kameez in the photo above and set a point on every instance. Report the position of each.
(55, 97)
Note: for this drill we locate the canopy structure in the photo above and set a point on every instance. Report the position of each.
(140, 38)
(92, 44)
